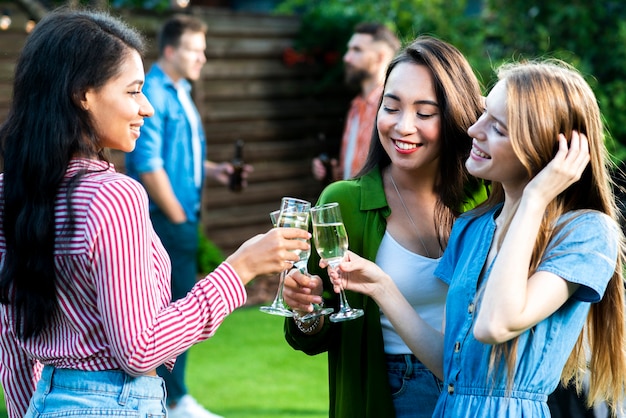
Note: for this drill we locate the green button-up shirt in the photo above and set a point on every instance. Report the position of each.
(357, 370)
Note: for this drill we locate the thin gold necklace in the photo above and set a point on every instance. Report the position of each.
(406, 210)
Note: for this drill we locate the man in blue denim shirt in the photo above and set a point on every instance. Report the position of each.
(169, 161)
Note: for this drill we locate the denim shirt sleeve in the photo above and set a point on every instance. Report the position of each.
(445, 268)
(584, 252)
(469, 239)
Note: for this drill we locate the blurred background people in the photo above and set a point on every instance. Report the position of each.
(370, 49)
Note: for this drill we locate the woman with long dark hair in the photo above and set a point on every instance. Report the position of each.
(85, 312)
(398, 212)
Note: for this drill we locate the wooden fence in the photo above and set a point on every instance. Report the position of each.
(246, 92)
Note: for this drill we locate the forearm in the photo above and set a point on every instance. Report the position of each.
(219, 172)
(324, 337)
(513, 302)
(159, 188)
(423, 340)
(211, 168)
(176, 327)
(501, 315)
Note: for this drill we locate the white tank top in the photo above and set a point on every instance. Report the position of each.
(413, 274)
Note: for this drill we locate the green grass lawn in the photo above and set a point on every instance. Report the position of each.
(247, 370)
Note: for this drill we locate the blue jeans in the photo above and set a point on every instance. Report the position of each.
(111, 393)
(181, 243)
(414, 388)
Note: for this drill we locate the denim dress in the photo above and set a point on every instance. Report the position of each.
(584, 252)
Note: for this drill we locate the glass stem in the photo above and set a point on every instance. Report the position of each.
(343, 302)
(278, 301)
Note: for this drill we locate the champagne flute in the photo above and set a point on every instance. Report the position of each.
(293, 213)
(274, 217)
(331, 243)
(318, 309)
(278, 305)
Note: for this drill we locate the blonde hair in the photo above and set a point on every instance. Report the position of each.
(545, 98)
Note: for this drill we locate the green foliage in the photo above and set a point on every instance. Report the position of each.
(328, 24)
(589, 35)
(247, 370)
(612, 99)
(324, 33)
(209, 254)
(154, 5)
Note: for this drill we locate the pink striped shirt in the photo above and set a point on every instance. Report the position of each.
(113, 292)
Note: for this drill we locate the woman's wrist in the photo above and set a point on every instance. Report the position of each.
(309, 327)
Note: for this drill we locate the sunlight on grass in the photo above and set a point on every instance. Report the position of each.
(247, 370)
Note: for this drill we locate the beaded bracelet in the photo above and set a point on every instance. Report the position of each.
(304, 326)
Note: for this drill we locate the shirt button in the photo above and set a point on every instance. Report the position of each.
(470, 308)
(457, 347)
(450, 388)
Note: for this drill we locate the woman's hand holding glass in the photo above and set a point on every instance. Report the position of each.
(303, 292)
(331, 243)
(359, 275)
(315, 308)
(293, 213)
(269, 253)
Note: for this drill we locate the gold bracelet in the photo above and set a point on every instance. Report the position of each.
(306, 326)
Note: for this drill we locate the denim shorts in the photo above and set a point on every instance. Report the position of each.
(414, 388)
(112, 393)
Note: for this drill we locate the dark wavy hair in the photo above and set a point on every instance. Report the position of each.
(460, 104)
(68, 53)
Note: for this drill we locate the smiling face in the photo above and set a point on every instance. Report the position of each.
(492, 156)
(118, 108)
(409, 119)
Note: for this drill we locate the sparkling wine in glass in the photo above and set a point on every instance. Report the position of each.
(296, 219)
(331, 243)
(318, 309)
(293, 213)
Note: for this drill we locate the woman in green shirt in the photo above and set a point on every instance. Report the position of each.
(398, 212)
